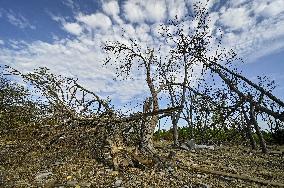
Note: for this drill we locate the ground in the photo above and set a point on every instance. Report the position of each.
(26, 163)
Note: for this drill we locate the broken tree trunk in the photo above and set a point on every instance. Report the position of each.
(116, 139)
(148, 127)
(151, 122)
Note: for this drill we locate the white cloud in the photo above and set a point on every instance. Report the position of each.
(67, 57)
(148, 10)
(111, 7)
(251, 31)
(273, 8)
(128, 30)
(96, 21)
(176, 8)
(142, 33)
(236, 18)
(259, 40)
(2, 42)
(236, 3)
(133, 88)
(133, 11)
(18, 20)
(58, 19)
(71, 4)
(82, 56)
(155, 10)
(73, 28)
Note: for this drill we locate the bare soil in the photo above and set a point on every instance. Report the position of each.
(27, 163)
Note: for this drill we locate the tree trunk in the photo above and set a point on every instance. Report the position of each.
(159, 131)
(191, 121)
(152, 121)
(191, 116)
(148, 127)
(249, 132)
(257, 130)
(175, 133)
(176, 116)
(242, 128)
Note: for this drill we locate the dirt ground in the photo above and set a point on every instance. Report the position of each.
(28, 164)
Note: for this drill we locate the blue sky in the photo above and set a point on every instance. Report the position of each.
(66, 36)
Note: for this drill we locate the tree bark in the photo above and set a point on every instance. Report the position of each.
(257, 130)
(191, 118)
(175, 133)
(248, 131)
(152, 121)
(176, 116)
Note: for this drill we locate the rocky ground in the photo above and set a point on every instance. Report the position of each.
(25, 163)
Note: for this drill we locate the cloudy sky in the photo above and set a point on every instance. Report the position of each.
(66, 36)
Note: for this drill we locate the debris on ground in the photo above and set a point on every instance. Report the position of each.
(26, 164)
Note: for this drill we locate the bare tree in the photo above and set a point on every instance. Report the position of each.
(130, 56)
(190, 49)
(194, 49)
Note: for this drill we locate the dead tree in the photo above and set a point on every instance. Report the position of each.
(127, 55)
(190, 50)
(145, 132)
(240, 86)
(196, 45)
(237, 84)
(181, 59)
